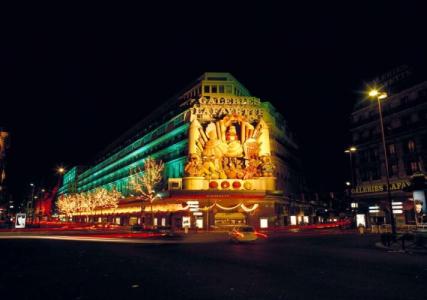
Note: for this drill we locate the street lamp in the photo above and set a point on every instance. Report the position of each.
(378, 96)
(33, 186)
(349, 151)
(60, 170)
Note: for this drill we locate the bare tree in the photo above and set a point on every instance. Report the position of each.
(144, 182)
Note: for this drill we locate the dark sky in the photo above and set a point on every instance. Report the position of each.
(74, 78)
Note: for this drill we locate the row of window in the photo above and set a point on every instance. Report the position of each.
(372, 154)
(405, 99)
(125, 170)
(222, 89)
(406, 122)
(137, 144)
(373, 172)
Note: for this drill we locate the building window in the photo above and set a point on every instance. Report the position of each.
(228, 89)
(355, 137)
(364, 175)
(391, 149)
(422, 93)
(214, 89)
(415, 166)
(411, 145)
(404, 100)
(207, 89)
(414, 118)
(221, 89)
(373, 153)
(393, 170)
(375, 174)
(365, 134)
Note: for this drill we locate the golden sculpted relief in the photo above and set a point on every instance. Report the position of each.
(230, 148)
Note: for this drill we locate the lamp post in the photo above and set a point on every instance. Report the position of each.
(349, 151)
(379, 96)
(60, 170)
(33, 186)
(40, 206)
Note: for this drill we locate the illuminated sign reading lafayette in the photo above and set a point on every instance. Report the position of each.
(378, 188)
(208, 109)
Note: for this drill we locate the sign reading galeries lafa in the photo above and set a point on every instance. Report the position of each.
(380, 187)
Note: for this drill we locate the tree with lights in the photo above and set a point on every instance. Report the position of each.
(144, 182)
(101, 198)
(88, 202)
(67, 204)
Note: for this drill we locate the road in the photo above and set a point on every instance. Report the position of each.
(293, 266)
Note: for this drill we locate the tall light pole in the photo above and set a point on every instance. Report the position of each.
(60, 170)
(379, 96)
(349, 151)
(33, 186)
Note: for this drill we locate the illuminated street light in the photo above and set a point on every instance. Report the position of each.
(347, 183)
(373, 93)
(31, 210)
(60, 170)
(378, 96)
(349, 151)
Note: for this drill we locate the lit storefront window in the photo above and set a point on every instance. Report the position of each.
(263, 223)
(199, 223)
(293, 220)
(186, 222)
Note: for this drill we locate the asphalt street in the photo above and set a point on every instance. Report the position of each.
(293, 266)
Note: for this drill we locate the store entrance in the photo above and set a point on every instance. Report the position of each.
(229, 219)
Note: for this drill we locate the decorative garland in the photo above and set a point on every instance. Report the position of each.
(228, 208)
(247, 209)
(243, 206)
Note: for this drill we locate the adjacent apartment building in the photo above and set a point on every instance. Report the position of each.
(405, 128)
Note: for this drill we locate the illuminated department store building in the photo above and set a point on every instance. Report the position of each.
(229, 159)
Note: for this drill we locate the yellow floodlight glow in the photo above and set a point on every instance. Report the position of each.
(373, 93)
(382, 96)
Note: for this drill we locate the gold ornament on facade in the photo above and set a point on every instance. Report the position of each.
(230, 148)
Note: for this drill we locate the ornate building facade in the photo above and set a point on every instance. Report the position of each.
(229, 159)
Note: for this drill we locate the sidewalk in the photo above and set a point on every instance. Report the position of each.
(415, 243)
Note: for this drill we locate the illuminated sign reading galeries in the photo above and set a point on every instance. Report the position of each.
(381, 187)
(214, 108)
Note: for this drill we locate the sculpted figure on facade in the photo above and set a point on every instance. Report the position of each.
(194, 166)
(267, 167)
(251, 169)
(229, 148)
(234, 148)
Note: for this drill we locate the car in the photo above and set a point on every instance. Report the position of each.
(243, 233)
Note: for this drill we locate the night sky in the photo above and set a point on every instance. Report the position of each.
(74, 78)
